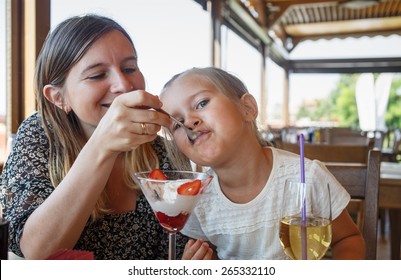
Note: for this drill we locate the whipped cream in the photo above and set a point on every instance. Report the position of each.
(163, 197)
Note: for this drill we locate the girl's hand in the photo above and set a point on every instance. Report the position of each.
(197, 250)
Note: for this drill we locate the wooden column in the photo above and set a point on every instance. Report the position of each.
(216, 7)
(14, 17)
(28, 23)
(286, 99)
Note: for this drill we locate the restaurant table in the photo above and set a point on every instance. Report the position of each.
(390, 198)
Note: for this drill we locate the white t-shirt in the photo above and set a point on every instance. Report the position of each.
(251, 230)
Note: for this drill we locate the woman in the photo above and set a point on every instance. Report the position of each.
(68, 178)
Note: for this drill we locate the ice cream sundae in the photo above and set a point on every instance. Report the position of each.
(171, 198)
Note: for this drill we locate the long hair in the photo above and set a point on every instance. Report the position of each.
(63, 48)
(224, 82)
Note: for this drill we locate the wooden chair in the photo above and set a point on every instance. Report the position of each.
(391, 153)
(350, 140)
(331, 153)
(336, 153)
(362, 182)
(344, 136)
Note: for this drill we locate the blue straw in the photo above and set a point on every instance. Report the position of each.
(302, 154)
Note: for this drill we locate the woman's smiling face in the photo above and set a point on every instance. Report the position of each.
(109, 68)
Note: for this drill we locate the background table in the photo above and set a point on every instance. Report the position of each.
(390, 198)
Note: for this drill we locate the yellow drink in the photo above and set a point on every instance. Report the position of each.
(318, 237)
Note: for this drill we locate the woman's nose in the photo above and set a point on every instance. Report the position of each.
(121, 83)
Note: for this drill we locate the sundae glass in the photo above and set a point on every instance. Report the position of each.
(172, 195)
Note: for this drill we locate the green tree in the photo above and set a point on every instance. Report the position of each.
(340, 106)
(345, 110)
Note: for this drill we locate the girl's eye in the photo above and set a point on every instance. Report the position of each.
(202, 104)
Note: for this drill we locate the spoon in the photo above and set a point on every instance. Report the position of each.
(192, 135)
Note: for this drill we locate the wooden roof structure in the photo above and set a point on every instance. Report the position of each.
(297, 21)
(283, 24)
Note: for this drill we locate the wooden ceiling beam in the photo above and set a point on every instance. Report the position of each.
(341, 28)
(294, 21)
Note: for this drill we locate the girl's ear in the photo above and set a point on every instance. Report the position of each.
(250, 106)
(53, 94)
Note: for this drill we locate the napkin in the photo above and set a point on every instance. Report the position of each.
(68, 254)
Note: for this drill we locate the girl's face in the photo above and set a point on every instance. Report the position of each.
(201, 107)
(109, 68)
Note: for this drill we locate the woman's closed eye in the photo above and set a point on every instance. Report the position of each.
(102, 75)
(97, 76)
(129, 70)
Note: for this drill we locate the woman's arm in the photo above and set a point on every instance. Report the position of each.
(58, 222)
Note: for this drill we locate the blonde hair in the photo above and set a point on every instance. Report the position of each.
(224, 82)
(63, 48)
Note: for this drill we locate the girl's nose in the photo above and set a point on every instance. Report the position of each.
(192, 121)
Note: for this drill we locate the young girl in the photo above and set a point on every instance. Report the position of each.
(240, 212)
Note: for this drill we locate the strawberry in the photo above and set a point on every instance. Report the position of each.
(172, 223)
(157, 174)
(189, 188)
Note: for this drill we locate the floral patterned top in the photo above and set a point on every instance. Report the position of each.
(25, 184)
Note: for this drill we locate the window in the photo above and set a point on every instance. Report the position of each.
(307, 91)
(244, 61)
(275, 76)
(170, 36)
(330, 99)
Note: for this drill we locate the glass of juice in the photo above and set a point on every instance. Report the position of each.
(305, 224)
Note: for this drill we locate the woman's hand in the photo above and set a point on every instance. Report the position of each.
(128, 124)
(197, 250)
